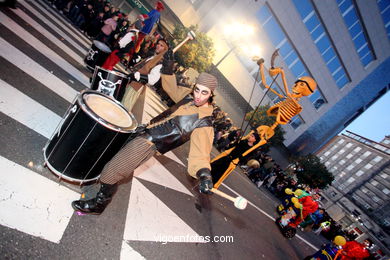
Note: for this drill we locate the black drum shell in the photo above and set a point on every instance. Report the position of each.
(95, 56)
(82, 146)
(112, 76)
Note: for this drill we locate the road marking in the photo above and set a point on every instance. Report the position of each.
(64, 24)
(127, 252)
(50, 36)
(32, 203)
(42, 48)
(155, 172)
(36, 71)
(149, 219)
(27, 111)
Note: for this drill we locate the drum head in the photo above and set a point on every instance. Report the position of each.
(106, 109)
(102, 46)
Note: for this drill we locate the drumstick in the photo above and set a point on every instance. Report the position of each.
(190, 36)
(239, 202)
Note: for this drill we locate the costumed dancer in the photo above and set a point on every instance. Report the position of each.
(125, 44)
(330, 251)
(228, 160)
(188, 121)
(146, 72)
(284, 111)
(150, 19)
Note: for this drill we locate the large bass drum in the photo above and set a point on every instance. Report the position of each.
(93, 130)
(111, 83)
(97, 55)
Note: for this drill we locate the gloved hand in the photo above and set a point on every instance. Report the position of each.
(141, 129)
(131, 77)
(168, 63)
(205, 181)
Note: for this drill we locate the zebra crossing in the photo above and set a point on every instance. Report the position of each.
(42, 71)
(44, 57)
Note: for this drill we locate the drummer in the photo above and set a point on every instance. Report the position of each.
(146, 72)
(189, 120)
(124, 46)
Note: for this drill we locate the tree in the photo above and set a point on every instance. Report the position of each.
(261, 118)
(198, 53)
(310, 171)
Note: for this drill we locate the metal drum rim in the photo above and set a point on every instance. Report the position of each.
(102, 121)
(110, 71)
(108, 50)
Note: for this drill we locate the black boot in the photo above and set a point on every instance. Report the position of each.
(96, 205)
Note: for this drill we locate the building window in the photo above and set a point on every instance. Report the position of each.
(286, 50)
(357, 31)
(360, 173)
(365, 190)
(350, 179)
(341, 141)
(327, 153)
(341, 151)
(348, 145)
(327, 164)
(384, 175)
(366, 154)
(357, 149)
(358, 160)
(334, 157)
(377, 159)
(376, 199)
(321, 39)
(349, 168)
(368, 166)
(384, 8)
(374, 182)
(349, 156)
(296, 121)
(341, 162)
(386, 191)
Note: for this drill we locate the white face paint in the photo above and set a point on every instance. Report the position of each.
(201, 95)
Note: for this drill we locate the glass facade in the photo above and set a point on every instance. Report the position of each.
(356, 30)
(321, 39)
(286, 50)
(384, 9)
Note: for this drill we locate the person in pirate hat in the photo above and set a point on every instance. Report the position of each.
(189, 120)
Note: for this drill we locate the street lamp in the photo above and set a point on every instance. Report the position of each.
(234, 32)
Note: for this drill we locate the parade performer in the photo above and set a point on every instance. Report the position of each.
(353, 250)
(125, 44)
(226, 161)
(308, 205)
(284, 111)
(145, 72)
(331, 251)
(189, 121)
(149, 20)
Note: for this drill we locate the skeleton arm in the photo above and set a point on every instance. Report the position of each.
(264, 82)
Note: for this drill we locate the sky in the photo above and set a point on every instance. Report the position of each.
(374, 123)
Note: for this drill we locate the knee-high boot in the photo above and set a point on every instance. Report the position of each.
(96, 205)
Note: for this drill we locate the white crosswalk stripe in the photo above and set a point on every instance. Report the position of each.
(51, 37)
(42, 121)
(36, 117)
(35, 70)
(63, 23)
(41, 47)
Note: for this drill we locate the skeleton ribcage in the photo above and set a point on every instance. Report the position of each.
(285, 110)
